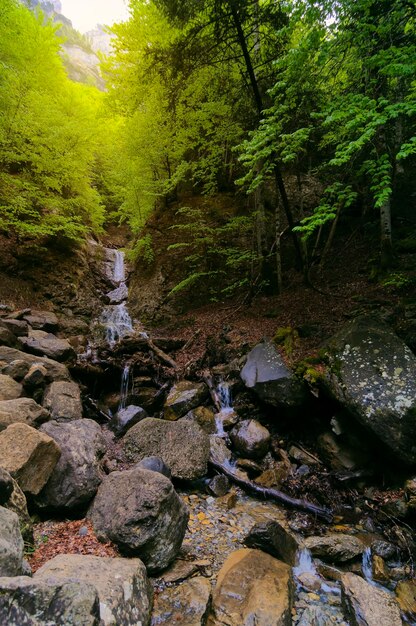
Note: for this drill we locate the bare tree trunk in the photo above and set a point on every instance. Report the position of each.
(386, 246)
(330, 239)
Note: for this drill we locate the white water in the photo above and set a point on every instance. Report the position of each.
(115, 318)
(119, 273)
(304, 563)
(124, 388)
(367, 565)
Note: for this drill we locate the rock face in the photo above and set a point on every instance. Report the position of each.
(11, 546)
(336, 548)
(23, 362)
(186, 604)
(273, 538)
(182, 445)
(126, 418)
(372, 373)
(77, 475)
(183, 397)
(140, 511)
(24, 601)
(46, 344)
(124, 591)
(267, 375)
(22, 410)
(28, 455)
(250, 439)
(366, 605)
(9, 388)
(63, 401)
(252, 588)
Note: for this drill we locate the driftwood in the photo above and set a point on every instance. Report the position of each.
(212, 390)
(274, 494)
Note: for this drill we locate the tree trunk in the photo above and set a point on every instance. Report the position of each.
(386, 246)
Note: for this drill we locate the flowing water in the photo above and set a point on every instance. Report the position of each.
(125, 387)
(115, 317)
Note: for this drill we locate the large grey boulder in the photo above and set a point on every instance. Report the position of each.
(367, 605)
(28, 455)
(9, 388)
(22, 410)
(182, 445)
(18, 364)
(28, 602)
(42, 320)
(47, 344)
(266, 374)
(11, 545)
(142, 514)
(183, 397)
(77, 475)
(372, 373)
(124, 590)
(63, 400)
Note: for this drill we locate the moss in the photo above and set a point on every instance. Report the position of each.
(288, 338)
(311, 369)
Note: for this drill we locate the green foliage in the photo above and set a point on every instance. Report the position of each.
(288, 338)
(142, 251)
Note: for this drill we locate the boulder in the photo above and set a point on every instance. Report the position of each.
(252, 588)
(182, 445)
(19, 328)
(28, 602)
(204, 417)
(77, 475)
(372, 373)
(22, 410)
(367, 605)
(36, 377)
(6, 486)
(218, 486)
(142, 514)
(219, 453)
(11, 545)
(47, 344)
(9, 388)
(70, 326)
(267, 375)
(406, 597)
(183, 397)
(274, 539)
(63, 400)
(250, 439)
(155, 464)
(118, 295)
(124, 591)
(7, 338)
(186, 604)
(126, 418)
(18, 504)
(28, 455)
(336, 548)
(42, 320)
(20, 363)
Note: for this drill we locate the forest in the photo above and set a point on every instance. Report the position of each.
(208, 314)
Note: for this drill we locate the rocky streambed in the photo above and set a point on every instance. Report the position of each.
(228, 493)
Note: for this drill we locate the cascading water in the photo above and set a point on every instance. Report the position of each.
(124, 388)
(115, 317)
(224, 397)
(119, 268)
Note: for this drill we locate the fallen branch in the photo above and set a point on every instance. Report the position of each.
(162, 355)
(93, 405)
(274, 494)
(207, 378)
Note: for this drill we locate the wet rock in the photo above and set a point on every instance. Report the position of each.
(28, 455)
(63, 400)
(20, 363)
(9, 388)
(406, 598)
(42, 320)
(252, 588)
(124, 591)
(267, 375)
(142, 514)
(28, 602)
(381, 572)
(126, 418)
(218, 486)
(155, 464)
(336, 548)
(315, 616)
(183, 397)
(47, 344)
(186, 604)
(19, 328)
(250, 439)
(372, 373)
(6, 486)
(274, 539)
(11, 545)
(182, 445)
(118, 295)
(77, 475)
(22, 410)
(205, 418)
(219, 453)
(367, 605)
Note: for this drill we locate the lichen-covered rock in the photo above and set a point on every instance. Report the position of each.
(28, 602)
(142, 514)
(336, 548)
(9, 388)
(186, 604)
(77, 475)
(11, 545)
(250, 439)
(22, 410)
(63, 401)
(366, 605)
(372, 373)
(28, 455)
(47, 344)
(19, 363)
(182, 445)
(267, 375)
(183, 397)
(252, 588)
(124, 591)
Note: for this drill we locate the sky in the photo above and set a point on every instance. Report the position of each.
(85, 14)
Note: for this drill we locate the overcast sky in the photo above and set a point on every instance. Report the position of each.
(85, 14)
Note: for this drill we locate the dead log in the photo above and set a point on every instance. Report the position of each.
(274, 494)
(161, 355)
(207, 378)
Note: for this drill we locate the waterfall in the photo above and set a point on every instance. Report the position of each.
(119, 270)
(367, 566)
(124, 388)
(224, 395)
(115, 317)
